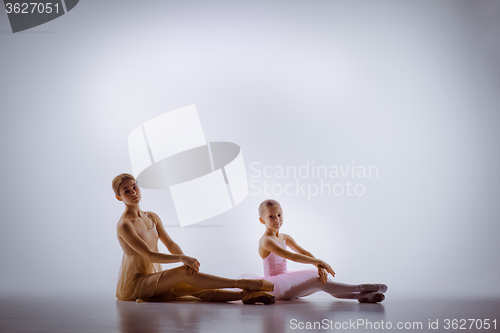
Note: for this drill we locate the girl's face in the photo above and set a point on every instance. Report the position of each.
(130, 193)
(272, 217)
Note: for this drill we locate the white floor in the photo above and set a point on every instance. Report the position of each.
(102, 315)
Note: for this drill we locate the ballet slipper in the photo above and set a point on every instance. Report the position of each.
(255, 284)
(370, 297)
(382, 288)
(252, 297)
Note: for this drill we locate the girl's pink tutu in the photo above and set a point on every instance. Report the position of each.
(286, 281)
(275, 270)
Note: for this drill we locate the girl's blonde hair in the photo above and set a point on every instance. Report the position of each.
(267, 203)
(118, 180)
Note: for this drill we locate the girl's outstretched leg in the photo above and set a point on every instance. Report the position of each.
(175, 276)
(247, 296)
(205, 295)
(226, 296)
(172, 277)
(339, 290)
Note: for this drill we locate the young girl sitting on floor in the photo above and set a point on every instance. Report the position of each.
(289, 285)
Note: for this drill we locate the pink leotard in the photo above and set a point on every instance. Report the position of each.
(276, 271)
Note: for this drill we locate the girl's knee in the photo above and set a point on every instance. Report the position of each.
(174, 272)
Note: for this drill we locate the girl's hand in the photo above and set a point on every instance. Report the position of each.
(323, 275)
(190, 270)
(192, 263)
(327, 267)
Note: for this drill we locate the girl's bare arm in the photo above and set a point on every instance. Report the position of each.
(270, 245)
(165, 238)
(297, 248)
(128, 233)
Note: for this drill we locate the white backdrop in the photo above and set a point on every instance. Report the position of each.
(411, 88)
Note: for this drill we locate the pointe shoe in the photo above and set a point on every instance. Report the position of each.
(252, 297)
(251, 284)
(382, 288)
(370, 297)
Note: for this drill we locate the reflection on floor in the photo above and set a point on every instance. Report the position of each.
(102, 315)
